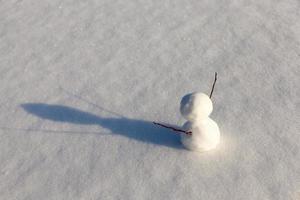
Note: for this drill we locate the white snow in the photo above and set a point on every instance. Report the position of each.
(196, 106)
(82, 81)
(205, 135)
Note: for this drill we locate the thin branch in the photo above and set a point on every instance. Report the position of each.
(213, 87)
(174, 129)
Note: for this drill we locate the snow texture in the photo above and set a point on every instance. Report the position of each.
(82, 81)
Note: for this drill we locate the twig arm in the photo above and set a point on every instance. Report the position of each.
(213, 87)
(174, 129)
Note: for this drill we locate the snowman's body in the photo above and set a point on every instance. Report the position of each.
(196, 108)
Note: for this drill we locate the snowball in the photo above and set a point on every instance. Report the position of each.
(205, 135)
(195, 106)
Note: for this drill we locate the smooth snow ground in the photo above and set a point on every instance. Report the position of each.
(82, 81)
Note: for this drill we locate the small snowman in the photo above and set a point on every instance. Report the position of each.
(205, 134)
(200, 132)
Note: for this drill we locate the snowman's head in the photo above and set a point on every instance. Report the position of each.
(195, 106)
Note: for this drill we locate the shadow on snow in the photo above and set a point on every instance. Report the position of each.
(141, 130)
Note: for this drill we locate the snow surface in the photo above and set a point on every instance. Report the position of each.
(82, 81)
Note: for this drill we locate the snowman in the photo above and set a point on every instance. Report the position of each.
(205, 135)
(200, 132)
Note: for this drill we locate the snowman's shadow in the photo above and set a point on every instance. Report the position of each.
(141, 130)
